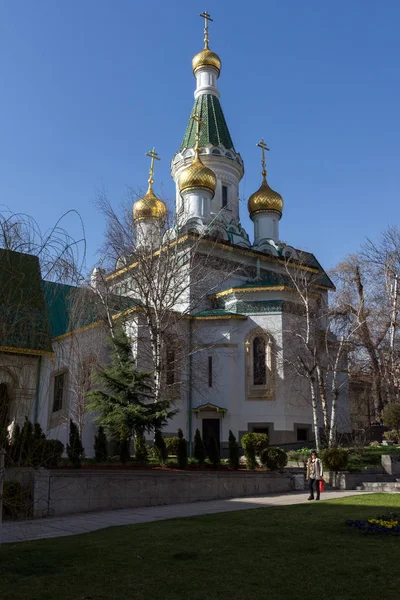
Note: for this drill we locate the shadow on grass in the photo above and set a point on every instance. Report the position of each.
(292, 552)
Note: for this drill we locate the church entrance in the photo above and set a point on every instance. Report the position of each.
(4, 408)
(211, 427)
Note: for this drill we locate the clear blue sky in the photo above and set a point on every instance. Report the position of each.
(87, 87)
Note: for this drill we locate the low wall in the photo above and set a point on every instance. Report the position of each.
(391, 464)
(58, 492)
(344, 480)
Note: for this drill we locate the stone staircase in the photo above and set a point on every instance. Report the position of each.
(380, 483)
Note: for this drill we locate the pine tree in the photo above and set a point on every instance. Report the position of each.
(233, 452)
(182, 451)
(100, 445)
(199, 451)
(124, 443)
(141, 454)
(74, 448)
(125, 397)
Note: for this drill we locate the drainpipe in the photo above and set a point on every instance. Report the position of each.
(190, 388)
(38, 373)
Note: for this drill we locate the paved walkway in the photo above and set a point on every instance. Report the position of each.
(86, 522)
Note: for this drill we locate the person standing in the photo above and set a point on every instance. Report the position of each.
(314, 474)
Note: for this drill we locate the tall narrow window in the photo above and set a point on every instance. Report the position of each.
(224, 196)
(58, 395)
(210, 372)
(259, 362)
(170, 370)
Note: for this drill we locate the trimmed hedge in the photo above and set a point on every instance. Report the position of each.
(172, 444)
(335, 459)
(274, 459)
(253, 444)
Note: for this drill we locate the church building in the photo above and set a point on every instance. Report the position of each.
(233, 347)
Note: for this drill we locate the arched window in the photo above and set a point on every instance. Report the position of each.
(259, 361)
(4, 406)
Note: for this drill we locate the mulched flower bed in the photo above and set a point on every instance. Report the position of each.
(389, 524)
(156, 468)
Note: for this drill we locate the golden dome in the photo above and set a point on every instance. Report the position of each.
(264, 199)
(149, 207)
(197, 175)
(206, 57)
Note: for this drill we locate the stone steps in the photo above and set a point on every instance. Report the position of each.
(380, 486)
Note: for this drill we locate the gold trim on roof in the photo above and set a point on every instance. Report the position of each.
(29, 351)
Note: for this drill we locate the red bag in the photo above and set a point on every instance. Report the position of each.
(321, 486)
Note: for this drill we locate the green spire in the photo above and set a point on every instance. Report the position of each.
(215, 131)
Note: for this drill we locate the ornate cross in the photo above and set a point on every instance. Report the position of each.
(263, 147)
(153, 155)
(197, 119)
(206, 16)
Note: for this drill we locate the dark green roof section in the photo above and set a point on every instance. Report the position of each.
(23, 317)
(215, 131)
(71, 308)
(218, 312)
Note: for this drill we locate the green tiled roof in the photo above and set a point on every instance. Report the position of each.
(71, 308)
(215, 131)
(23, 318)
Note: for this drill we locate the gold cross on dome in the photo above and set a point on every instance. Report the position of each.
(263, 147)
(206, 16)
(153, 155)
(197, 119)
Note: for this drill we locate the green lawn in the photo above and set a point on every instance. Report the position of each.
(281, 553)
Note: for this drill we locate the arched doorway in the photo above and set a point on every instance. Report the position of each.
(4, 409)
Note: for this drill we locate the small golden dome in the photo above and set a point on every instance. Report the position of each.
(264, 199)
(149, 207)
(197, 175)
(206, 57)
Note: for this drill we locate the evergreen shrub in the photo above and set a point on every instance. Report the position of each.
(182, 453)
(233, 452)
(172, 445)
(141, 454)
(274, 459)
(100, 445)
(160, 447)
(335, 459)
(199, 452)
(213, 452)
(124, 443)
(74, 448)
(253, 444)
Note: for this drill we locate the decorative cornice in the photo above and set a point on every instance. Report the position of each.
(27, 351)
(272, 288)
(210, 407)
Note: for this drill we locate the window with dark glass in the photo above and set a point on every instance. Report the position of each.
(261, 430)
(210, 373)
(170, 370)
(259, 366)
(224, 196)
(302, 434)
(58, 396)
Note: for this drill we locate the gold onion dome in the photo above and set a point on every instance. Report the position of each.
(206, 58)
(149, 207)
(197, 175)
(265, 199)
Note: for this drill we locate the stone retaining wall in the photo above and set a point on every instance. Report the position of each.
(58, 492)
